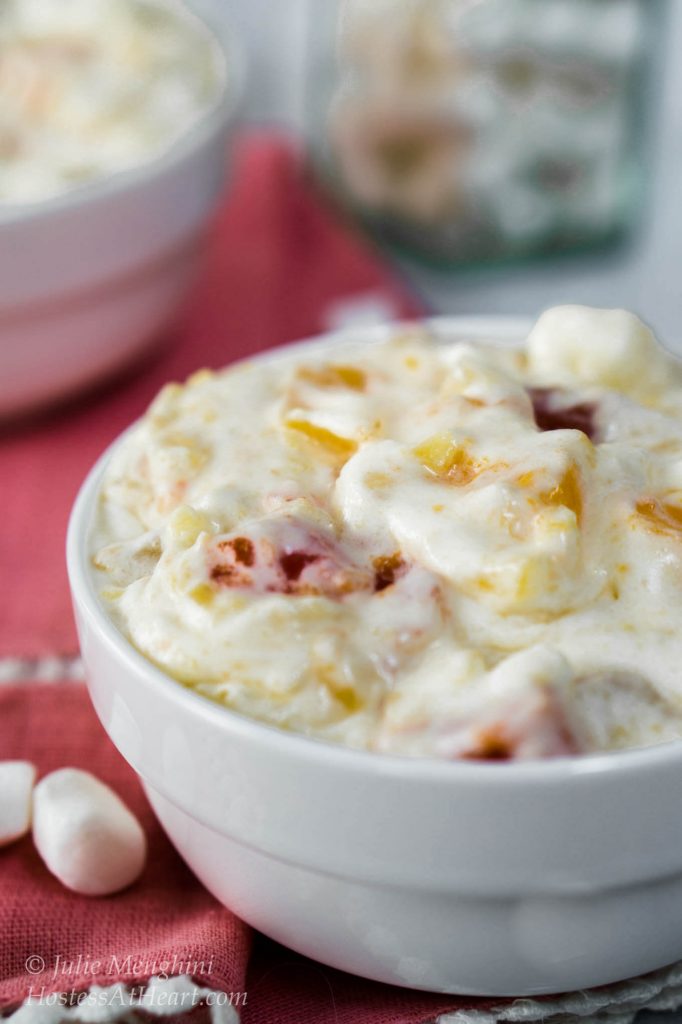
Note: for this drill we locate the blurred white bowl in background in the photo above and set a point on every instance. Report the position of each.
(89, 278)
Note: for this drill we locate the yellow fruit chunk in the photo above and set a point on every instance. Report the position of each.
(660, 516)
(334, 376)
(164, 407)
(555, 519)
(567, 492)
(186, 524)
(532, 579)
(203, 594)
(334, 444)
(446, 459)
(378, 481)
(349, 699)
(200, 377)
(516, 586)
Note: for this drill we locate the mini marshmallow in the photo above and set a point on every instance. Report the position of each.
(607, 347)
(85, 834)
(16, 785)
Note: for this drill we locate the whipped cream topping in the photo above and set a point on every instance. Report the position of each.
(416, 545)
(93, 87)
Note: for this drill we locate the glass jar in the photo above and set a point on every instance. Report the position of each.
(479, 130)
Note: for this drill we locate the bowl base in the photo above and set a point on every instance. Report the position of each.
(436, 941)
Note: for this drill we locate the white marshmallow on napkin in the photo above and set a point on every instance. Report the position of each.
(16, 785)
(85, 834)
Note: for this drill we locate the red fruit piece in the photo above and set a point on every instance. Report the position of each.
(553, 411)
(286, 556)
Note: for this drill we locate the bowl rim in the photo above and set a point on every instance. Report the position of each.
(503, 330)
(215, 117)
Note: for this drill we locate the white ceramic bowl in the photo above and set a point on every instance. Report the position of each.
(493, 879)
(90, 277)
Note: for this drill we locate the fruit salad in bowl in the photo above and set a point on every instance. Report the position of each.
(415, 545)
(387, 624)
(115, 124)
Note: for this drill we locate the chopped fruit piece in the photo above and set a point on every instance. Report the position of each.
(129, 560)
(513, 712)
(333, 376)
(387, 570)
(446, 459)
(491, 745)
(203, 594)
(555, 519)
(537, 729)
(186, 524)
(660, 516)
(522, 717)
(294, 562)
(285, 556)
(378, 481)
(553, 413)
(227, 575)
(567, 492)
(164, 407)
(338, 446)
(531, 579)
(350, 700)
(613, 708)
(243, 550)
(200, 377)
(236, 556)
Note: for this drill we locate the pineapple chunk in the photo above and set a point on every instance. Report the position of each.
(185, 525)
(555, 519)
(661, 517)
(165, 406)
(334, 444)
(200, 377)
(567, 492)
(334, 376)
(202, 594)
(446, 459)
(518, 586)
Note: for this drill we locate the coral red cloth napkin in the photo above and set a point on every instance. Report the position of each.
(279, 264)
(51, 940)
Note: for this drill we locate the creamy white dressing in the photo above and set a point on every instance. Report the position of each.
(90, 88)
(415, 546)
